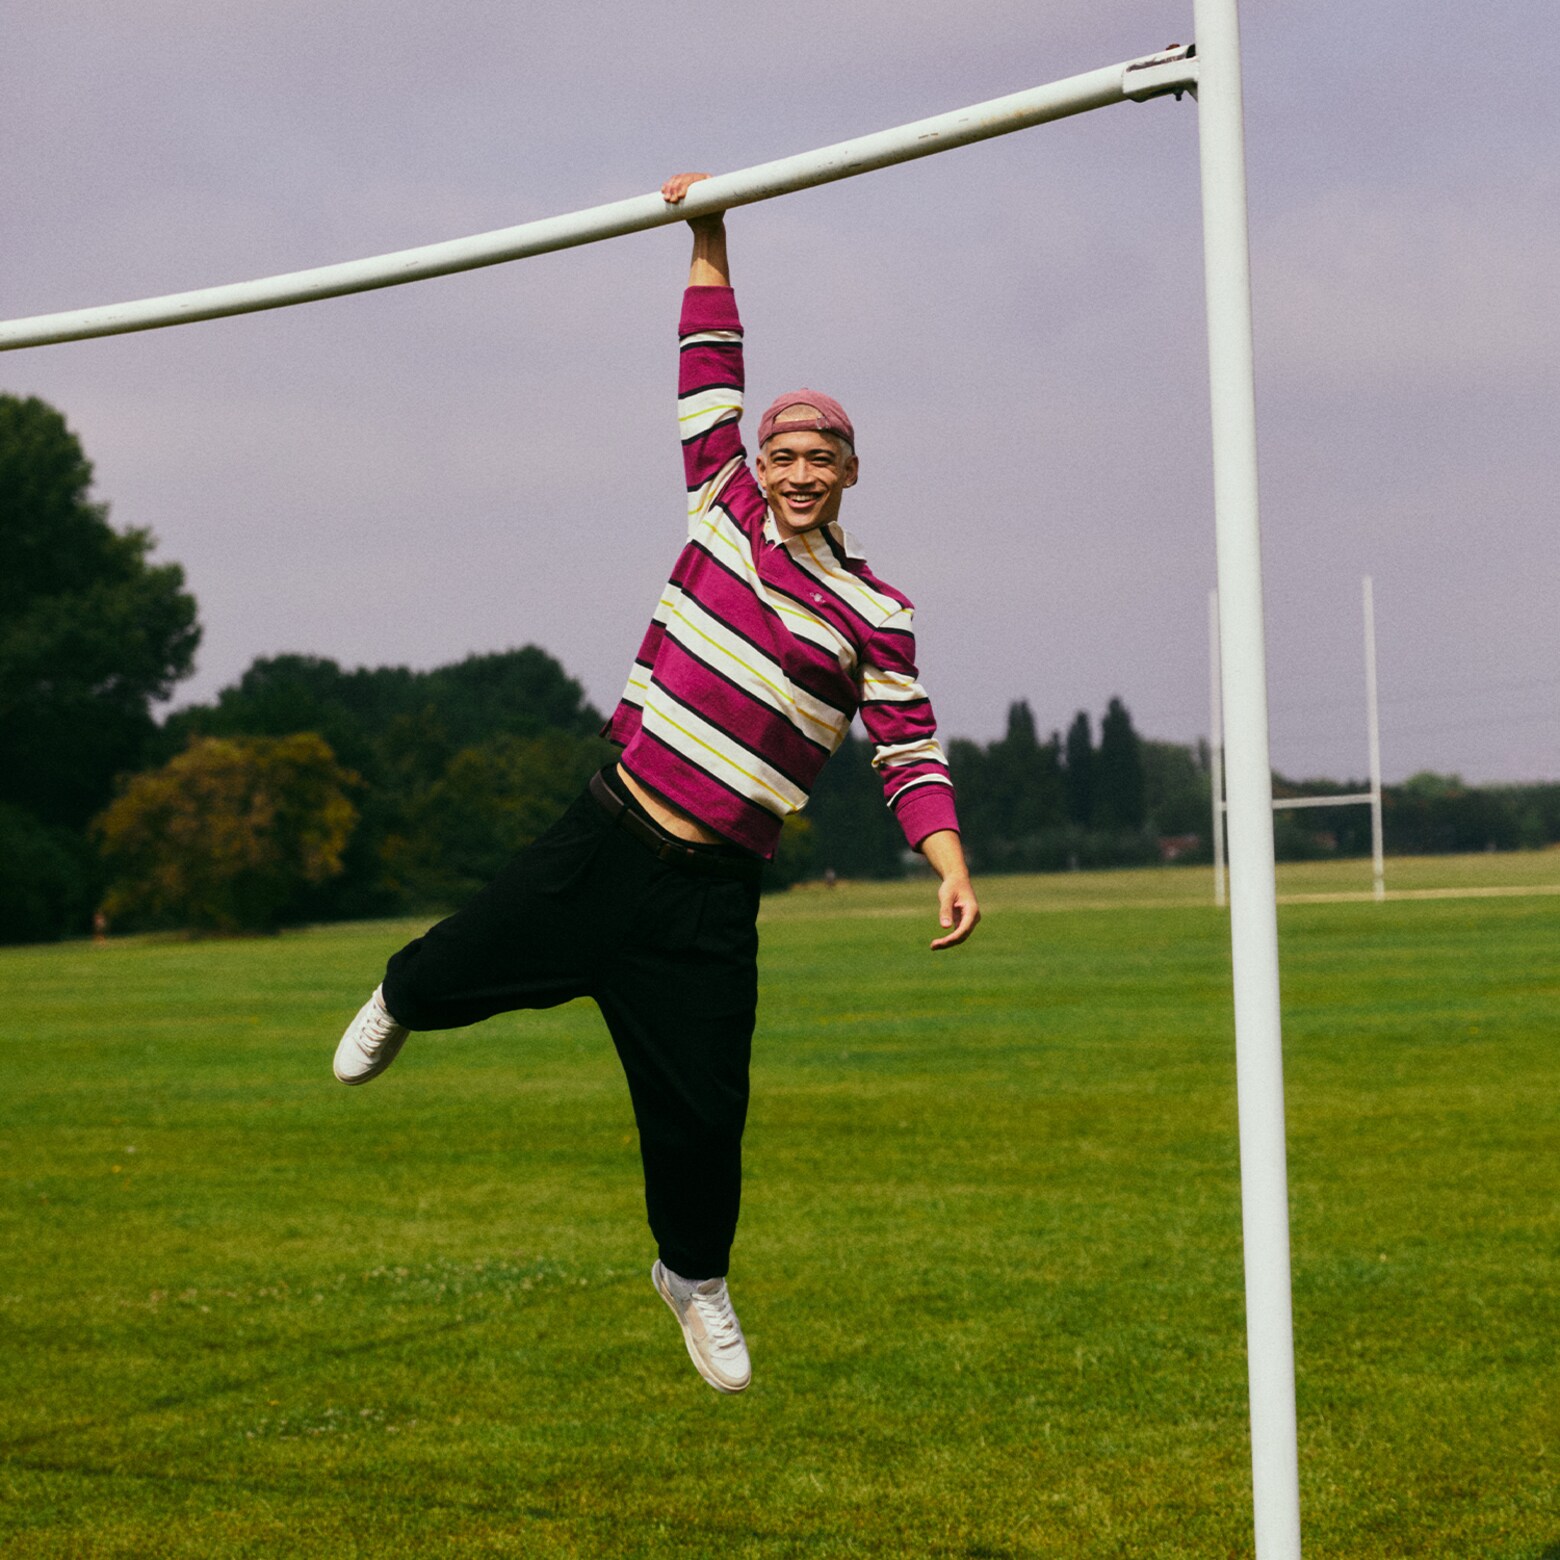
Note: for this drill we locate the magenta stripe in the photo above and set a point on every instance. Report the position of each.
(926, 810)
(756, 726)
(704, 456)
(668, 772)
(897, 776)
(724, 599)
(704, 367)
(810, 666)
(895, 724)
(708, 308)
(802, 585)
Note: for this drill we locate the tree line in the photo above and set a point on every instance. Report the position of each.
(307, 791)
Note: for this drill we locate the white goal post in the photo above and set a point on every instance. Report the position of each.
(1370, 798)
(1212, 72)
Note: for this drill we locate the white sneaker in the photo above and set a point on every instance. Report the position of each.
(372, 1041)
(710, 1328)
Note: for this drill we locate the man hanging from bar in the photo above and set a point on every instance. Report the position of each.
(770, 636)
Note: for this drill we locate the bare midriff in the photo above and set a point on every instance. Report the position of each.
(668, 814)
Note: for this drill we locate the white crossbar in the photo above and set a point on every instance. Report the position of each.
(1323, 801)
(1174, 70)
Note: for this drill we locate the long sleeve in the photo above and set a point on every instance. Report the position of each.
(899, 720)
(709, 395)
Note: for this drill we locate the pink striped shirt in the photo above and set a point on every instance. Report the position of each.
(762, 650)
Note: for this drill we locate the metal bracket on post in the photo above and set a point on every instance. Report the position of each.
(1175, 71)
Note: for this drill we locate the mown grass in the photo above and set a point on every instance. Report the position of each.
(990, 1258)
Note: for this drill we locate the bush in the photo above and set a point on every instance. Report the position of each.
(48, 879)
(456, 834)
(229, 836)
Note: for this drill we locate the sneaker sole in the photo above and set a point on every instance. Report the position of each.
(693, 1354)
(373, 1072)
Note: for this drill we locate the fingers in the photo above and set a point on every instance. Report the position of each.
(968, 919)
(678, 185)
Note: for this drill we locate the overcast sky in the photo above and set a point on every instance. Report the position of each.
(1016, 328)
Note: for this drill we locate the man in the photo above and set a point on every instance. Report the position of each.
(770, 636)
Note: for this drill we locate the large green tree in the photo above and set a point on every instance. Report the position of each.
(229, 836)
(92, 633)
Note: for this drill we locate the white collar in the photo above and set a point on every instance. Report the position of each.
(847, 543)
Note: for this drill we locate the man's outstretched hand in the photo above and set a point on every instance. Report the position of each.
(677, 186)
(710, 268)
(956, 905)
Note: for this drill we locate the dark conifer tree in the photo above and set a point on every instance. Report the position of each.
(1078, 773)
(1118, 772)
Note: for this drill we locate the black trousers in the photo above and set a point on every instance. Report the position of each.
(671, 958)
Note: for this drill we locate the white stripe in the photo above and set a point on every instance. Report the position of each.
(638, 682)
(700, 499)
(703, 409)
(722, 538)
(707, 638)
(871, 604)
(895, 754)
(708, 748)
(921, 780)
(815, 630)
(889, 687)
(701, 338)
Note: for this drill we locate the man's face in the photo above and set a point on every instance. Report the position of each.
(804, 475)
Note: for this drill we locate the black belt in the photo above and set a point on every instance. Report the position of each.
(713, 861)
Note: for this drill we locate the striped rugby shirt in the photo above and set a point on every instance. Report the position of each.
(761, 650)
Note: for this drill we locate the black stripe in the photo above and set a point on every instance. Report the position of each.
(905, 790)
(746, 801)
(858, 643)
(753, 699)
(720, 422)
(836, 548)
(901, 633)
(686, 344)
(684, 391)
(737, 741)
(736, 471)
(848, 708)
(896, 704)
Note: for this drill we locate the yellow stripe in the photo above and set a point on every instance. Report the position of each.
(710, 748)
(906, 685)
(776, 602)
(785, 696)
(845, 575)
(704, 411)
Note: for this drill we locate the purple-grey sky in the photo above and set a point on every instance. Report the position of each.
(1016, 328)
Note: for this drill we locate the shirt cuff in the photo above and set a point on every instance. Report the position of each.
(925, 810)
(708, 308)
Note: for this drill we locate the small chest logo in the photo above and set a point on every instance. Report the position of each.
(816, 597)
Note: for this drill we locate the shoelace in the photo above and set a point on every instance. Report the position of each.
(379, 1028)
(720, 1321)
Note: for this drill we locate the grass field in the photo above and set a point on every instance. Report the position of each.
(989, 1265)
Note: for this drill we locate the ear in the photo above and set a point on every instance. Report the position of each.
(852, 471)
